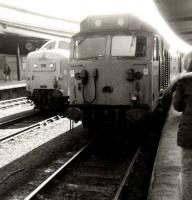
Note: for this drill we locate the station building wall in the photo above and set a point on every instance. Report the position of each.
(11, 60)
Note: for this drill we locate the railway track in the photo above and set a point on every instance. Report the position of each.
(6, 104)
(28, 129)
(88, 174)
(18, 117)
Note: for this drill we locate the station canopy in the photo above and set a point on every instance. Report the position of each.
(61, 18)
(178, 15)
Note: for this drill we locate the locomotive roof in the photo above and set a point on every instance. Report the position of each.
(113, 23)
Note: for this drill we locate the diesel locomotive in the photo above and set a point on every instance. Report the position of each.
(119, 66)
(46, 68)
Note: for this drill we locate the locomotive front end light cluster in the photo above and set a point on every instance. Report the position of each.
(51, 65)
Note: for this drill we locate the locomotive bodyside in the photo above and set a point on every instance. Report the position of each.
(118, 67)
(46, 70)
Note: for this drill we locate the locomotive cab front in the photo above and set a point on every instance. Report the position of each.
(114, 71)
(46, 75)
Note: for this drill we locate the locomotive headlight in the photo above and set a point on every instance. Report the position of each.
(98, 22)
(120, 22)
(51, 65)
(35, 65)
(134, 98)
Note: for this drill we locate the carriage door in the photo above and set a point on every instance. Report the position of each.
(155, 72)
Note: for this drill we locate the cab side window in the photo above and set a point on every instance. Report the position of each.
(63, 45)
(155, 48)
(141, 47)
(50, 46)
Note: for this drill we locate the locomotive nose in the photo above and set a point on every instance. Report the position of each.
(74, 114)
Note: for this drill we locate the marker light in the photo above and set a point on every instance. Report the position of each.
(98, 22)
(133, 98)
(51, 65)
(120, 21)
(35, 65)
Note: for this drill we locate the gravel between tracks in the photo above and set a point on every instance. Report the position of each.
(22, 144)
(15, 110)
(67, 145)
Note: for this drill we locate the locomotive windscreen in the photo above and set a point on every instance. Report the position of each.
(90, 47)
(94, 47)
(123, 45)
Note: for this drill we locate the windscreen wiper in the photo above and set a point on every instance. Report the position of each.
(133, 37)
(92, 57)
(83, 39)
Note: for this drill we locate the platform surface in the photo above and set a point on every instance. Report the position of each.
(5, 85)
(164, 182)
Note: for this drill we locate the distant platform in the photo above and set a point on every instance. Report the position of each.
(164, 181)
(12, 89)
(4, 85)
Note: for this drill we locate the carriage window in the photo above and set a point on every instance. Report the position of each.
(90, 47)
(123, 45)
(50, 46)
(63, 45)
(156, 49)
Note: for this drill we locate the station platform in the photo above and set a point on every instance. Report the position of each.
(11, 84)
(12, 89)
(164, 181)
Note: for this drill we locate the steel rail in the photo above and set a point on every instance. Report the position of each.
(124, 180)
(13, 102)
(39, 124)
(56, 173)
(27, 114)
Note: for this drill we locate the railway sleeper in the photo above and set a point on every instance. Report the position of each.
(90, 188)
